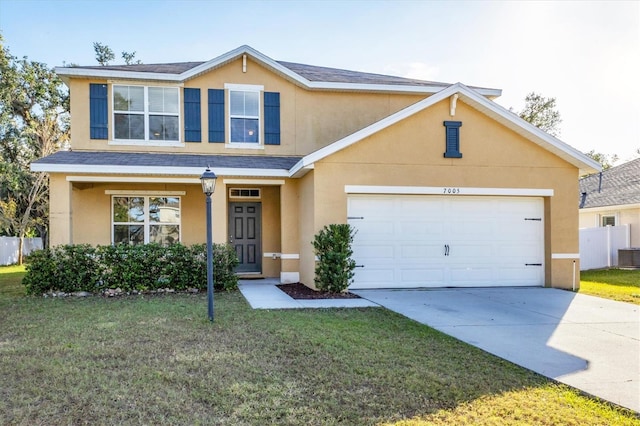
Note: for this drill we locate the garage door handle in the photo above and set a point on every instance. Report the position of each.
(359, 266)
(533, 264)
(446, 249)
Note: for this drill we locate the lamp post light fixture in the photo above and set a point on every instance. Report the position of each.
(208, 180)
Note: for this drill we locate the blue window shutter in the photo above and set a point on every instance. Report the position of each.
(271, 118)
(216, 115)
(98, 112)
(452, 139)
(192, 130)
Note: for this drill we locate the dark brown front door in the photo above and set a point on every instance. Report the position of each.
(245, 229)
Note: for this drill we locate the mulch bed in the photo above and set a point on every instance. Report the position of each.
(301, 291)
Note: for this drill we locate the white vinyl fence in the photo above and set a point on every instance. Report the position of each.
(9, 247)
(599, 246)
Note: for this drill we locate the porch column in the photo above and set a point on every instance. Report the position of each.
(290, 265)
(60, 211)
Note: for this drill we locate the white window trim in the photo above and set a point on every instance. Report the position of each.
(229, 87)
(146, 113)
(147, 222)
(613, 215)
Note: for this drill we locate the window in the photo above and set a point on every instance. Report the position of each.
(608, 221)
(143, 113)
(244, 114)
(244, 193)
(142, 220)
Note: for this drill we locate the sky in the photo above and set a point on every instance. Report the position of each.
(585, 54)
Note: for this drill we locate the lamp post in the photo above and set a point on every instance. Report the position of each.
(208, 180)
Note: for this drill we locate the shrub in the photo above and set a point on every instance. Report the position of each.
(335, 267)
(73, 268)
(65, 268)
(225, 261)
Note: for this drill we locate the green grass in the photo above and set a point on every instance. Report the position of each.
(157, 360)
(616, 284)
(11, 281)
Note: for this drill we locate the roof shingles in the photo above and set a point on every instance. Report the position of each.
(116, 159)
(620, 185)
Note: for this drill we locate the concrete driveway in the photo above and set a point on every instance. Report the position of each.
(587, 342)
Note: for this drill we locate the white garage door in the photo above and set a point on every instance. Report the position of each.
(407, 241)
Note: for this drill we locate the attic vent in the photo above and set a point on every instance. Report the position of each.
(244, 193)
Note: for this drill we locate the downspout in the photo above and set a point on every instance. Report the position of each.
(600, 183)
(583, 200)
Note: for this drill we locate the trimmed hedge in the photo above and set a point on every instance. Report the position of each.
(72, 268)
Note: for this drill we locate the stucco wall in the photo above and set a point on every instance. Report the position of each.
(309, 119)
(410, 153)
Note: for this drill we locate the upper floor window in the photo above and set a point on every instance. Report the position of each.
(146, 113)
(244, 114)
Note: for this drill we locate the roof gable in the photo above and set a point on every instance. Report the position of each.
(475, 100)
(308, 76)
(616, 186)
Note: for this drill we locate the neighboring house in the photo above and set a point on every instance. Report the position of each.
(612, 197)
(445, 187)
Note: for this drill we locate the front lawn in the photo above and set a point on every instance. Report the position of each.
(615, 284)
(157, 360)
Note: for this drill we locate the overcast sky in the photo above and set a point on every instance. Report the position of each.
(585, 54)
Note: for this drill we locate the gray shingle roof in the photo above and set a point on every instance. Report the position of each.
(620, 185)
(168, 160)
(171, 68)
(310, 72)
(335, 75)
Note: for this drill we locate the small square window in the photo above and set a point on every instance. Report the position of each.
(608, 221)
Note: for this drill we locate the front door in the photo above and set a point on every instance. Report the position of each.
(245, 235)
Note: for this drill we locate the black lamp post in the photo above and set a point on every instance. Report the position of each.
(208, 180)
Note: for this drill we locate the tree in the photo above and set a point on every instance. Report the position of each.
(104, 54)
(129, 58)
(606, 160)
(34, 122)
(542, 113)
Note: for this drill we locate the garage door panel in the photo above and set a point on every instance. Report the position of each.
(373, 278)
(374, 229)
(423, 251)
(464, 252)
(521, 252)
(422, 276)
(381, 251)
(407, 206)
(415, 229)
(475, 275)
(522, 276)
(433, 241)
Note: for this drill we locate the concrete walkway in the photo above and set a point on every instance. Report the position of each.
(263, 294)
(587, 342)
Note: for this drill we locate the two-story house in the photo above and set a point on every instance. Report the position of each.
(444, 186)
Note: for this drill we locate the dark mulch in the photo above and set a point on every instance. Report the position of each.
(301, 291)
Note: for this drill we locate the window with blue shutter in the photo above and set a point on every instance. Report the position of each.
(271, 118)
(452, 139)
(192, 130)
(98, 111)
(216, 115)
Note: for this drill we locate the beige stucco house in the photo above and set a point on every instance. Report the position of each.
(444, 186)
